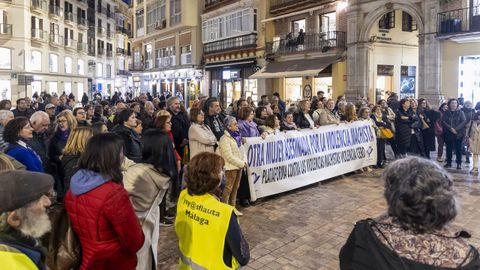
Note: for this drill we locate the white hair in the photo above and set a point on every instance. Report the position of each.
(38, 116)
(4, 114)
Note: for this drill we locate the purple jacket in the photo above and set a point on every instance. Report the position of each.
(248, 129)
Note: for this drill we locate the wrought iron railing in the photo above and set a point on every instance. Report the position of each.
(309, 42)
(82, 21)
(120, 51)
(54, 10)
(56, 39)
(68, 16)
(458, 21)
(39, 34)
(82, 47)
(39, 5)
(242, 42)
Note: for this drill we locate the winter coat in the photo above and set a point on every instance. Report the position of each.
(26, 156)
(328, 117)
(133, 145)
(69, 167)
(230, 151)
(301, 120)
(215, 123)
(316, 116)
(428, 134)
(201, 139)
(248, 129)
(365, 251)
(473, 134)
(103, 218)
(39, 144)
(146, 188)
(180, 126)
(403, 127)
(456, 120)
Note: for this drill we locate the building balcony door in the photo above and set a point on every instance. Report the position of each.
(475, 15)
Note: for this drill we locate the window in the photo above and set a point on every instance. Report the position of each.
(53, 62)
(99, 70)
(36, 61)
(52, 87)
(67, 87)
(37, 27)
(297, 26)
(175, 11)
(328, 22)
(408, 23)
(80, 67)
(108, 69)
(136, 58)
(233, 24)
(186, 55)
(68, 65)
(6, 59)
(148, 56)
(387, 21)
(156, 15)
(139, 23)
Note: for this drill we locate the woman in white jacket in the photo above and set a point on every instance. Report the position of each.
(147, 183)
(473, 135)
(229, 149)
(201, 137)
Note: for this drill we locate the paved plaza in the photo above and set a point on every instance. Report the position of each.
(305, 229)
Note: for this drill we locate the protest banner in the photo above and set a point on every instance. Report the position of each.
(288, 160)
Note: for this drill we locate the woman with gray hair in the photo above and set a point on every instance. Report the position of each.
(229, 149)
(414, 234)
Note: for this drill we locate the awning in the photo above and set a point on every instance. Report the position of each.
(227, 63)
(295, 68)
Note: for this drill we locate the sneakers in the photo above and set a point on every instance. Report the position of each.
(166, 223)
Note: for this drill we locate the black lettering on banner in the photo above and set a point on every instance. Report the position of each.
(193, 207)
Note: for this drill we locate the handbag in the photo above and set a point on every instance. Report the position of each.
(63, 245)
(385, 133)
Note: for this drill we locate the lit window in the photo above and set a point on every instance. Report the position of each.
(68, 65)
(80, 67)
(6, 59)
(53, 62)
(99, 70)
(36, 61)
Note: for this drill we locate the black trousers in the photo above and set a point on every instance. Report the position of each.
(454, 144)
(380, 151)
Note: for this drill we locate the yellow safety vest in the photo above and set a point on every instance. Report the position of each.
(13, 259)
(201, 226)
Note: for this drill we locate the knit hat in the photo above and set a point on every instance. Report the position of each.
(19, 188)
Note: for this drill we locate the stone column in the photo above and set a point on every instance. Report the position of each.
(429, 56)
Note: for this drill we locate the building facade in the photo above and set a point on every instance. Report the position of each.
(373, 28)
(43, 47)
(234, 40)
(123, 47)
(306, 48)
(167, 49)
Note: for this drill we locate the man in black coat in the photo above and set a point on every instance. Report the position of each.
(180, 124)
(39, 143)
(214, 117)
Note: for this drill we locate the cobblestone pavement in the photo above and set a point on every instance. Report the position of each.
(305, 229)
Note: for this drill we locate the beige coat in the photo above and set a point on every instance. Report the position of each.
(327, 117)
(474, 137)
(201, 139)
(228, 149)
(146, 188)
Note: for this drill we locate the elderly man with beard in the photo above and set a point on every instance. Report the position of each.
(23, 218)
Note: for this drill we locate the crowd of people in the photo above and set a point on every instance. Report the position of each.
(122, 168)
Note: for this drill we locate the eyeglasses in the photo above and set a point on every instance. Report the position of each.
(81, 112)
(61, 121)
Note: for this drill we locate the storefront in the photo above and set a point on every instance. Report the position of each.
(230, 81)
(183, 83)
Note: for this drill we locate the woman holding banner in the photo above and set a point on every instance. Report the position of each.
(302, 117)
(287, 123)
(229, 149)
(328, 116)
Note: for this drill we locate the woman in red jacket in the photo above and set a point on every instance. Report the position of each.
(99, 208)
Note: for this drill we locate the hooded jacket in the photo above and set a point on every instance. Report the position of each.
(105, 222)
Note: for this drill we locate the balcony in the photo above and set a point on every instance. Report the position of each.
(109, 34)
(101, 52)
(282, 6)
(69, 17)
(101, 31)
(39, 6)
(109, 54)
(82, 47)
(70, 44)
(212, 4)
(120, 51)
(82, 23)
(91, 50)
(231, 44)
(38, 35)
(82, 2)
(186, 58)
(5, 29)
(55, 11)
(458, 22)
(312, 42)
(164, 62)
(56, 40)
(123, 73)
(110, 14)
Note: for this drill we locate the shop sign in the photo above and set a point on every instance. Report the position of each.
(385, 70)
(408, 81)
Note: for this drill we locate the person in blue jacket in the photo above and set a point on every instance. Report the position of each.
(17, 133)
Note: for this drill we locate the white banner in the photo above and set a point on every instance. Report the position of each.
(293, 159)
